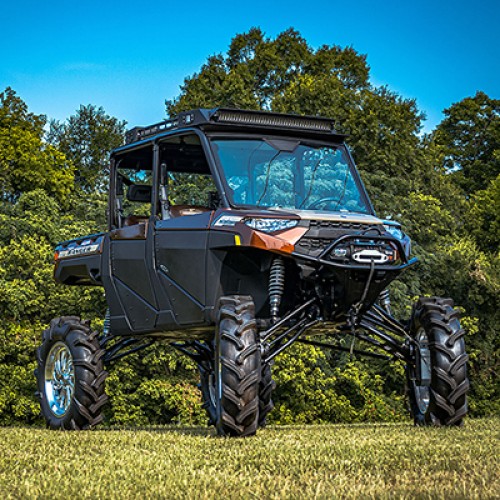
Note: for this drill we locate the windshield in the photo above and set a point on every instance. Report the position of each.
(288, 174)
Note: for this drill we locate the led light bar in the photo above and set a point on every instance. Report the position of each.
(273, 120)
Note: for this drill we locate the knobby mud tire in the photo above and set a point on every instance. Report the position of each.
(449, 383)
(237, 367)
(89, 397)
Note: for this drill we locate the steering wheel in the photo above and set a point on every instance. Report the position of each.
(321, 201)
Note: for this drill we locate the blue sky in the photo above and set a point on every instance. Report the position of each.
(129, 57)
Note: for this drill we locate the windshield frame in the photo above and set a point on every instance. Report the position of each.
(303, 141)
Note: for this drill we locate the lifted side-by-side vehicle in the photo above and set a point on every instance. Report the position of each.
(233, 234)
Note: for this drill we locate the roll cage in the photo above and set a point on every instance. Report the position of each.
(144, 147)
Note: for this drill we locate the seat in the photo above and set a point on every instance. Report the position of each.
(132, 220)
(182, 210)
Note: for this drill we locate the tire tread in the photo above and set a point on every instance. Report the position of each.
(90, 376)
(449, 382)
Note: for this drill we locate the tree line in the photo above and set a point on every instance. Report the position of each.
(444, 187)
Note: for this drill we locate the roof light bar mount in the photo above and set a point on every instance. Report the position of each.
(261, 119)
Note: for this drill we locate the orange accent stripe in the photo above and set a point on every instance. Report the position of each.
(284, 242)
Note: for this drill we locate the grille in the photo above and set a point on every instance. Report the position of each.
(353, 226)
(322, 233)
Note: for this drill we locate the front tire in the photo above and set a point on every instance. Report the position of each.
(208, 391)
(70, 375)
(444, 402)
(237, 367)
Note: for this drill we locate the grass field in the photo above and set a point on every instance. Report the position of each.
(384, 460)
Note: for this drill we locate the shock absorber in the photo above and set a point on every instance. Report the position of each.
(385, 301)
(276, 286)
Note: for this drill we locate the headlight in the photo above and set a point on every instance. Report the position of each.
(270, 225)
(228, 220)
(394, 231)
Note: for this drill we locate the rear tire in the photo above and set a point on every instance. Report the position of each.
(70, 375)
(266, 388)
(444, 402)
(237, 367)
(208, 389)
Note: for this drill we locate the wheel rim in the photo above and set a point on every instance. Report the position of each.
(422, 392)
(213, 389)
(59, 379)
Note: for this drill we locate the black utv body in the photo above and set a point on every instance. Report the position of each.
(233, 234)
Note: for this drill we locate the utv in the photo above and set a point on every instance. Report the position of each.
(233, 234)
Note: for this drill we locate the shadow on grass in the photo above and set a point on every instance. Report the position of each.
(210, 431)
(162, 429)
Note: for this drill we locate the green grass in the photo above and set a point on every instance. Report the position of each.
(372, 460)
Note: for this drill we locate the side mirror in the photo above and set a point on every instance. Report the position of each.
(164, 206)
(140, 193)
(119, 185)
(163, 174)
(213, 200)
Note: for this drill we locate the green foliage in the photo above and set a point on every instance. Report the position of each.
(286, 75)
(153, 388)
(17, 402)
(29, 297)
(313, 388)
(484, 220)
(470, 140)
(426, 219)
(26, 161)
(86, 139)
(190, 189)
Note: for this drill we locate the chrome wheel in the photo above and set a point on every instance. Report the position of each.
(422, 392)
(59, 379)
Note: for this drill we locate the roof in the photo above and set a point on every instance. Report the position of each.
(234, 119)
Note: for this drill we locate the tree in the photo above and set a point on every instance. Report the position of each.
(470, 140)
(86, 138)
(256, 70)
(26, 161)
(287, 75)
(484, 221)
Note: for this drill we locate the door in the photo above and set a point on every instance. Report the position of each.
(187, 192)
(131, 255)
(180, 253)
